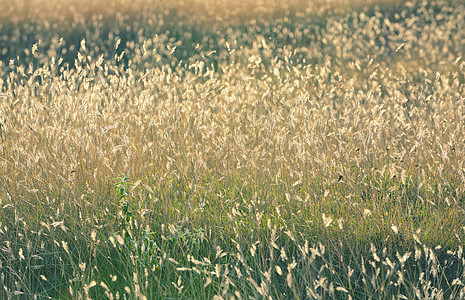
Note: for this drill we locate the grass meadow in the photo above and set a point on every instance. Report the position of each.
(208, 149)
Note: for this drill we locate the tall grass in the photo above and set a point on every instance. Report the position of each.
(291, 150)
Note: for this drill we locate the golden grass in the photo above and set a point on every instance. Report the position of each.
(209, 10)
(304, 151)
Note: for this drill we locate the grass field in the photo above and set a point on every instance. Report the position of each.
(232, 150)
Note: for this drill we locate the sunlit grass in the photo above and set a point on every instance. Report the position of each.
(285, 150)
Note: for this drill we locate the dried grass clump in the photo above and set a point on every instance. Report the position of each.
(155, 152)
